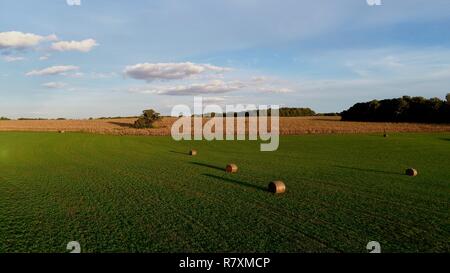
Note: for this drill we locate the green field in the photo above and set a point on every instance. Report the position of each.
(144, 194)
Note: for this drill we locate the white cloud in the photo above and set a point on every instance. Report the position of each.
(10, 59)
(54, 70)
(20, 40)
(272, 89)
(214, 100)
(82, 46)
(76, 75)
(100, 75)
(44, 58)
(169, 71)
(269, 84)
(51, 38)
(259, 79)
(54, 85)
(213, 87)
(216, 69)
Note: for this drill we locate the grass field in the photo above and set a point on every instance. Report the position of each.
(144, 194)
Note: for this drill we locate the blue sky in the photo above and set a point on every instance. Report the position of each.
(109, 58)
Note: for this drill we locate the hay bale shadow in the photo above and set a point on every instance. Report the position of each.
(208, 166)
(366, 170)
(236, 182)
(181, 153)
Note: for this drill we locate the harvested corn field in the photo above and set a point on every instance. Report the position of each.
(288, 126)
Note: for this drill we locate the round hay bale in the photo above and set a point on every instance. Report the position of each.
(277, 187)
(193, 152)
(411, 172)
(231, 168)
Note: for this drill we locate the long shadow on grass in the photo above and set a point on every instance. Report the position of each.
(181, 153)
(233, 181)
(208, 166)
(366, 170)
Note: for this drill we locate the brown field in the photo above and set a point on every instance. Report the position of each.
(288, 126)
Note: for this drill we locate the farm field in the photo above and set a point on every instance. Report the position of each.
(140, 194)
(288, 126)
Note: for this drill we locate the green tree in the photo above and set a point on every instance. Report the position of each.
(147, 119)
(405, 109)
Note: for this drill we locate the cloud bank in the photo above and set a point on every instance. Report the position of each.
(212, 87)
(169, 71)
(54, 85)
(10, 59)
(81, 46)
(19, 40)
(53, 70)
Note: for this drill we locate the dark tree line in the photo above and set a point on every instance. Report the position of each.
(283, 112)
(296, 112)
(405, 109)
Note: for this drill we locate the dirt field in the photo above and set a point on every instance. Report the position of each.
(288, 126)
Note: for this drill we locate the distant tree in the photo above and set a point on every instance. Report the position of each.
(147, 119)
(446, 109)
(4, 118)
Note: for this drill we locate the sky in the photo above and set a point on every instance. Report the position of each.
(94, 58)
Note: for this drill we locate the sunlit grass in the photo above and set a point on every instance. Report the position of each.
(145, 194)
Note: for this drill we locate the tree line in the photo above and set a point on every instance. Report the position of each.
(283, 112)
(404, 109)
